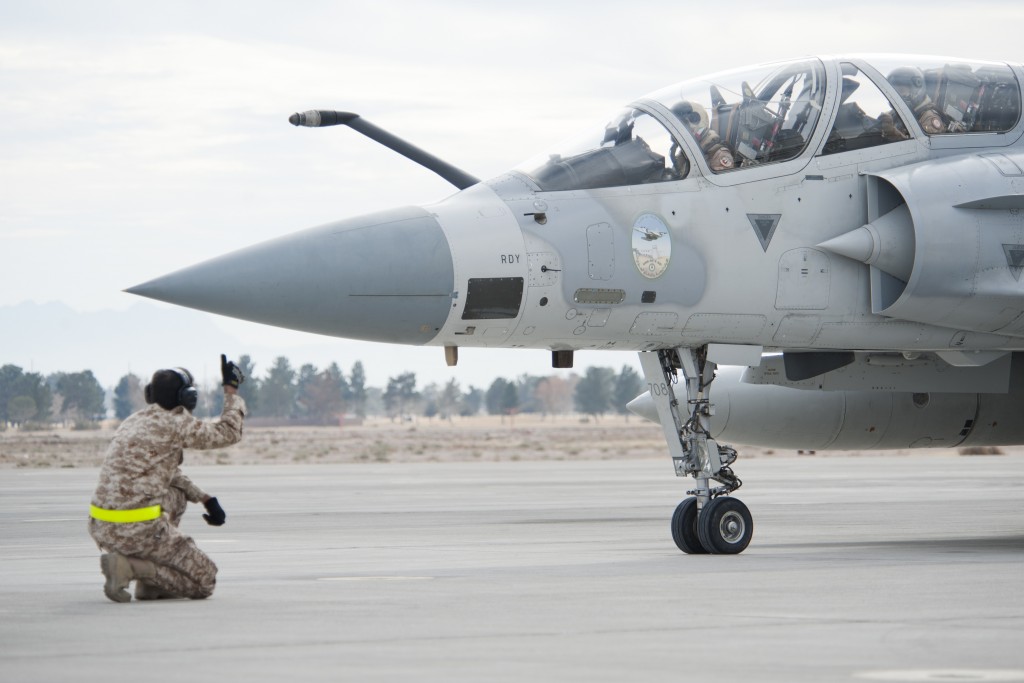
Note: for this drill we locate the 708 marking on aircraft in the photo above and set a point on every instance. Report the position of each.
(831, 247)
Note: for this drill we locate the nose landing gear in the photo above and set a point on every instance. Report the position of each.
(709, 521)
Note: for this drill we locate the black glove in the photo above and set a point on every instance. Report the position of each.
(230, 373)
(216, 516)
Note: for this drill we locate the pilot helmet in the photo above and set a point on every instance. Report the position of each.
(693, 115)
(909, 83)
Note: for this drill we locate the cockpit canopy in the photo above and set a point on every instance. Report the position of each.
(767, 114)
(954, 96)
(737, 118)
(761, 115)
(633, 149)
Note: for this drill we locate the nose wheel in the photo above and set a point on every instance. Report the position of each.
(684, 528)
(724, 527)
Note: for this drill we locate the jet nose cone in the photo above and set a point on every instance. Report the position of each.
(383, 277)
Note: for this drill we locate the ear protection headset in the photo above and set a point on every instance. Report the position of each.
(188, 395)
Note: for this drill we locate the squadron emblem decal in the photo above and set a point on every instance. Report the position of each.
(652, 246)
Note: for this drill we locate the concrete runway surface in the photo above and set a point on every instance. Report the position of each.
(861, 568)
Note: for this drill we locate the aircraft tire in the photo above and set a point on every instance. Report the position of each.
(684, 528)
(725, 526)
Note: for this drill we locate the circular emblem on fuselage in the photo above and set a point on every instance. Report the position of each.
(652, 245)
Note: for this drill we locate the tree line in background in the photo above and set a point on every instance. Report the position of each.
(27, 397)
(314, 396)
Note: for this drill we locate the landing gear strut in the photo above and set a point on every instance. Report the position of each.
(707, 522)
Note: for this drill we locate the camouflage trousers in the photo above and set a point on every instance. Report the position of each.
(182, 569)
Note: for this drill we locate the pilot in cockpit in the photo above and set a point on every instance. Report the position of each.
(908, 81)
(695, 118)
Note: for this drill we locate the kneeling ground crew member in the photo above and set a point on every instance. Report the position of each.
(142, 493)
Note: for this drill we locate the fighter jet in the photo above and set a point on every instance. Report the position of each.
(846, 234)
(649, 235)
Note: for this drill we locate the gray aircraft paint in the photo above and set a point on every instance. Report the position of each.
(383, 277)
(774, 256)
(882, 262)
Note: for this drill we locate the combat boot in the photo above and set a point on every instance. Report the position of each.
(119, 573)
(142, 569)
(148, 591)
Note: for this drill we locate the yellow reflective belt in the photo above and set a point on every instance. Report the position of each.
(122, 516)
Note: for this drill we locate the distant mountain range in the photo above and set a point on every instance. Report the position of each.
(53, 337)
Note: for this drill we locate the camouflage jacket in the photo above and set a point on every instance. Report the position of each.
(142, 460)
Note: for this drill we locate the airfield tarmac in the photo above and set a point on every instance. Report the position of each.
(904, 568)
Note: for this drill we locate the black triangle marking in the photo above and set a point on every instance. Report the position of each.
(1014, 259)
(765, 224)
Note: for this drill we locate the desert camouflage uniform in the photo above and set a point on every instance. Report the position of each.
(141, 469)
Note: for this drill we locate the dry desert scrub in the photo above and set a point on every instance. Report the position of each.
(378, 440)
(526, 437)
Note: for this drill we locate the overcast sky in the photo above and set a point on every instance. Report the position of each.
(139, 138)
